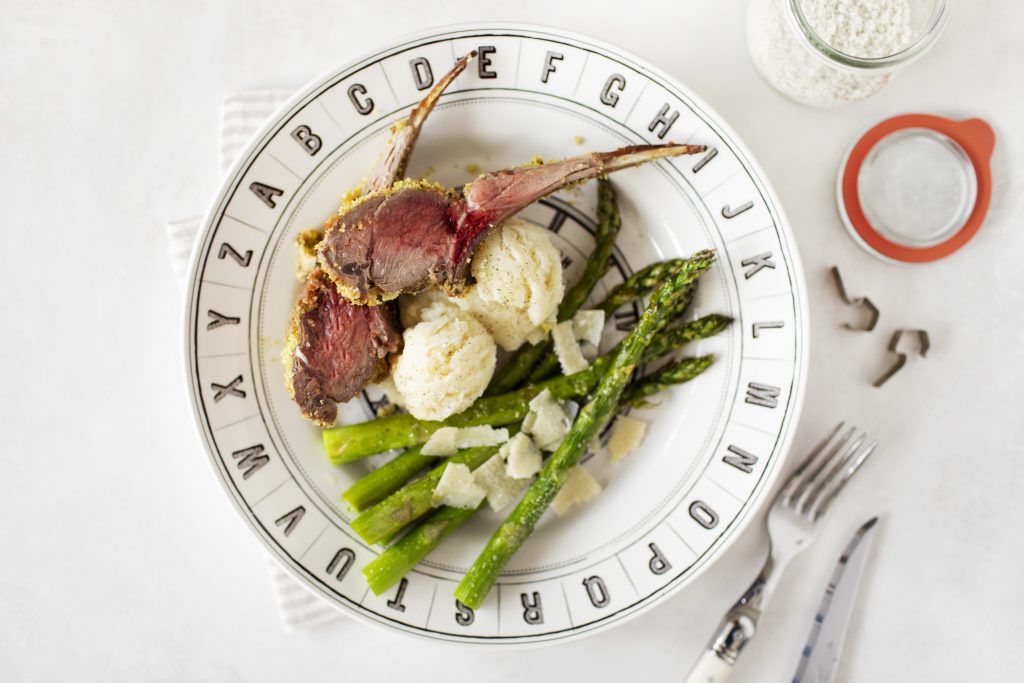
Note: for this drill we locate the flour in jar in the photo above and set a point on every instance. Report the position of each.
(858, 28)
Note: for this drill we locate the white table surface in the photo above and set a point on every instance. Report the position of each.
(120, 556)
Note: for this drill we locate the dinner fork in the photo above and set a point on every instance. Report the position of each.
(792, 524)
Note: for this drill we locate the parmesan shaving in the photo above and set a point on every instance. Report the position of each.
(522, 456)
(502, 490)
(627, 433)
(588, 325)
(441, 442)
(579, 487)
(457, 488)
(547, 422)
(449, 440)
(570, 355)
(542, 399)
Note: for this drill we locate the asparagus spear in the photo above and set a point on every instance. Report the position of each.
(669, 340)
(387, 568)
(518, 367)
(389, 477)
(412, 501)
(609, 224)
(352, 442)
(639, 284)
(676, 372)
(514, 531)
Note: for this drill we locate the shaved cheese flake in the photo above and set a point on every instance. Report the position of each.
(522, 455)
(579, 487)
(449, 440)
(540, 400)
(441, 442)
(587, 326)
(550, 427)
(547, 422)
(627, 433)
(502, 490)
(528, 421)
(567, 349)
(484, 435)
(457, 488)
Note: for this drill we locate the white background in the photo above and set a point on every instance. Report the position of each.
(120, 556)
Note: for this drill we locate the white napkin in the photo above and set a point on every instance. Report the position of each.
(241, 116)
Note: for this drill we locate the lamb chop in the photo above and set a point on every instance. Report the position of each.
(403, 237)
(417, 234)
(334, 347)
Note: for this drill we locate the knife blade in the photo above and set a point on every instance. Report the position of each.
(820, 655)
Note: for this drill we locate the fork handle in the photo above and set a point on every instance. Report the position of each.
(716, 663)
(710, 668)
(736, 629)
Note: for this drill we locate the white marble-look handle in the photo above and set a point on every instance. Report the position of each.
(710, 668)
(736, 629)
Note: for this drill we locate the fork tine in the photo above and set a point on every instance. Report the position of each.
(847, 474)
(794, 479)
(828, 473)
(814, 468)
(838, 452)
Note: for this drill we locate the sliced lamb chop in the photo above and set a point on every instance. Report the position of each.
(334, 347)
(416, 234)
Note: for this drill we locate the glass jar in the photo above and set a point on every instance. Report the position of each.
(825, 52)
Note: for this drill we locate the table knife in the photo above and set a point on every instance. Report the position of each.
(820, 655)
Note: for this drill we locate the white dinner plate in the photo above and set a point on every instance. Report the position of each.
(714, 445)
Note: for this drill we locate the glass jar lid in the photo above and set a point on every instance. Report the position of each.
(916, 188)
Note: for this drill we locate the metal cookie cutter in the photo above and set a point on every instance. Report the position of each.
(863, 302)
(924, 343)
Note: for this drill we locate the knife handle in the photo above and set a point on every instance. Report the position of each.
(710, 668)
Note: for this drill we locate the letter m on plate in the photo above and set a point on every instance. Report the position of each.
(250, 459)
(764, 395)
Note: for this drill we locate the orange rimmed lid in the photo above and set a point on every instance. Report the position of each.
(916, 188)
